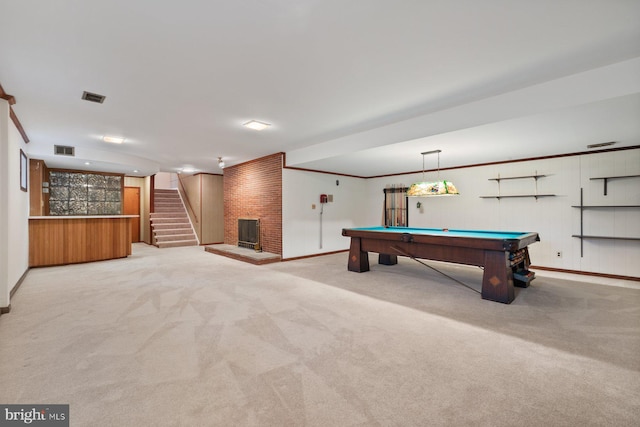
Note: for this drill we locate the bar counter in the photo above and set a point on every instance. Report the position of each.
(59, 240)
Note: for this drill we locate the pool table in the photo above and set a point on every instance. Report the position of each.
(502, 254)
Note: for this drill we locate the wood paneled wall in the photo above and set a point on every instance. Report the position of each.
(38, 201)
(74, 240)
(205, 193)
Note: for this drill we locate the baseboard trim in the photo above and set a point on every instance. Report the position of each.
(17, 285)
(7, 309)
(585, 273)
(314, 255)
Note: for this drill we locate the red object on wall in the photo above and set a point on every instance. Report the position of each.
(254, 190)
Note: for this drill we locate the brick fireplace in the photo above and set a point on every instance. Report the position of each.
(254, 190)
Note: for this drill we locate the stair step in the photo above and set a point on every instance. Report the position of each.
(171, 226)
(171, 220)
(156, 215)
(177, 243)
(161, 209)
(172, 231)
(169, 208)
(174, 237)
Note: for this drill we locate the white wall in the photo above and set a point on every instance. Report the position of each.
(165, 180)
(552, 218)
(359, 203)
(14, 213)
(610, 256)
(301, 224)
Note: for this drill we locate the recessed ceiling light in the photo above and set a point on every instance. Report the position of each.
(87, 163)
(113, 139)
(136, 171)
(256, 125)
(188, 170)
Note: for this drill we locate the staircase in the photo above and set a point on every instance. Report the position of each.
(170, 223)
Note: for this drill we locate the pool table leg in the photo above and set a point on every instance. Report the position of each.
(386, 259)
(497, 282)
(358, 259)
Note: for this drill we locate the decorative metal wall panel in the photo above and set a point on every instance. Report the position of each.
(77, 180)
(96, 181)
(113, 182)
(57, 206)
(77, 206)
(113, 195)
(77, 193)
(112, 208)
(59, 193)
(96, 194)
(58, 179)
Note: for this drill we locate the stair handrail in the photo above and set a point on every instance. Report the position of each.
(186, 196)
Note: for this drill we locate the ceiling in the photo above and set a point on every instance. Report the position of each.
(357, 87)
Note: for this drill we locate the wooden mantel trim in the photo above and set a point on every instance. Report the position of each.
(12, 100)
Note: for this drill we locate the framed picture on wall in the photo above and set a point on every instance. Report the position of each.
(24, 171)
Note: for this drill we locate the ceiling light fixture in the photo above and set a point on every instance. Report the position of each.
(220, 163)
(256, 125)
(87, 163)
(437, 188)
(113, 139)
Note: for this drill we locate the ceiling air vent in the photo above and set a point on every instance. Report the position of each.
(64, 150)
(602, 144)
(93, 97)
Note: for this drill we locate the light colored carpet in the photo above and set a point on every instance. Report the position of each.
(184, 337)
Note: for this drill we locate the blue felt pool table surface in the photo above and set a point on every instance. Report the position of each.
(480, 234)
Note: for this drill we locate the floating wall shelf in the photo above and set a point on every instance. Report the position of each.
(518, 195)
(583, 207)
(604, 237)
(607, 178)
(517, 177)
(606, 206)
(508, 196)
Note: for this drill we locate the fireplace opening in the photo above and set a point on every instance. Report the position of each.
(249, 234)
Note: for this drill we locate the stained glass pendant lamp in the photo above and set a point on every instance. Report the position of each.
(435, 188)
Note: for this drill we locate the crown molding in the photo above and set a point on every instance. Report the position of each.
(12, 100)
